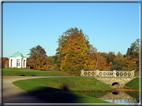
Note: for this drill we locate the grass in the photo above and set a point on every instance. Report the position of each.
(134, 94)
(31, 72)
(51, 89)
(133, 84)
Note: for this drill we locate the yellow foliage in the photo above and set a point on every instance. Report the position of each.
(74, 54)
(130, 63)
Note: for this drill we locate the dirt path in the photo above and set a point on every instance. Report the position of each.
(13, 94)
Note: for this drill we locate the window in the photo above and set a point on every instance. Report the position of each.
(18, 62)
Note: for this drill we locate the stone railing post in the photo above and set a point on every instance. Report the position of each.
(97, 73)
(114, 73)
(133, 73)
(82, 72)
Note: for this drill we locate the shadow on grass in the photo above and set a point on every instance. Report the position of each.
(56, 95)
(22, 75)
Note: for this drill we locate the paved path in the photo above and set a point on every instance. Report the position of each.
(13, 94)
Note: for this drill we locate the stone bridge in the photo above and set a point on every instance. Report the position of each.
(115, 79)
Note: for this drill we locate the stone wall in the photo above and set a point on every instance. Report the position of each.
(110, 81)
(110, 77)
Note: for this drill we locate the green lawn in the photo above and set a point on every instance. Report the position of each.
(54, 89)
(134, 94)
(133, 84)
(31, 72)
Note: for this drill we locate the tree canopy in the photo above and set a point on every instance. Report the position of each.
(74, 54)
(37, 58)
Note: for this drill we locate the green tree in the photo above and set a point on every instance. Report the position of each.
(110, 57)
(133, 52)
(134, 49)
(118, 62)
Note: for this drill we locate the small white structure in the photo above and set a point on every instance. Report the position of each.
(17, 60)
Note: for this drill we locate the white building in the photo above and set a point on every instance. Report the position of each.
(17, 60)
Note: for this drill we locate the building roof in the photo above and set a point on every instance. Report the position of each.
(17, 54)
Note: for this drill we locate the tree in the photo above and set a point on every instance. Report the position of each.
(118, 62)
(49, 65)
(110, 64)
(119, 57)
(63, 40)
(101, 62)
(130, 63)
(55, 67)
(133, 52)
(4, 59)
(37, 58)
(74, 54)
(6, 64)
(110, 57)
(91, 61)
(134, 49)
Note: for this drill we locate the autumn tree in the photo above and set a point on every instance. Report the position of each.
(37, 58)
(54, 62)
(63, 40)
(110, 57)
(130, 63)
(110, 64)
(74, 54)
(119, 57)
(49, 63)
(118, 62)
(91, 61)
(133, 52)
(101, 65)
(4, 62)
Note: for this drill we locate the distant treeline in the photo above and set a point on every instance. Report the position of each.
(75, 53)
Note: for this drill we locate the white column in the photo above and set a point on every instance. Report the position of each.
(97, 73)
(132, 72)
(16, 62)
(20, 62)
(25, 63)
(114, 73)
(9, 62)
(82, 72)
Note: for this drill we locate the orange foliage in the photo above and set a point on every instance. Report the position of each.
(95, 61)
(110, 64)
(4, 62)
(101, 62)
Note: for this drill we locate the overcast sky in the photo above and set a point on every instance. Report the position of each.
(110, 26)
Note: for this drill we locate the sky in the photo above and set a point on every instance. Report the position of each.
(111, 27)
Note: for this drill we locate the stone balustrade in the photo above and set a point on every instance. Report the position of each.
(113, 73)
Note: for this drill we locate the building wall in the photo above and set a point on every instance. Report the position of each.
(14, 62)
